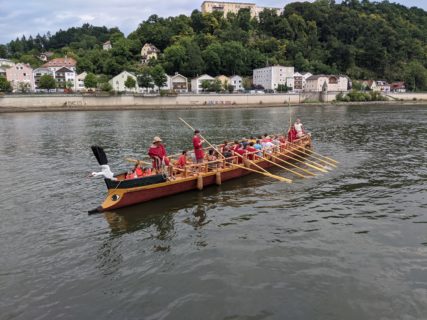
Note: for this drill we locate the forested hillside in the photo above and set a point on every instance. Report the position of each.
(359, 38)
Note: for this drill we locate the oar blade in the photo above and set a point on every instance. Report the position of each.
(99, 154)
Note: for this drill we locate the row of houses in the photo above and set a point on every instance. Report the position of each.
(383, 86)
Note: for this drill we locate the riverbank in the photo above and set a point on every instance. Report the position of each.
(76, 102)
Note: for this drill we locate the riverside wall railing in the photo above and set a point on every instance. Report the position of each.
(55, 101)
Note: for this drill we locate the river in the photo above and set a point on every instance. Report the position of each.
(349, 244)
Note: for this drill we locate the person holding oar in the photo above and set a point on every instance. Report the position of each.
(157, 152)
(198, 147)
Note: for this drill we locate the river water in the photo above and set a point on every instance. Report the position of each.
(349, 244)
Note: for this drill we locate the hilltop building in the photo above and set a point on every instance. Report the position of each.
(107, 45)
(234, 7)
(149, 51)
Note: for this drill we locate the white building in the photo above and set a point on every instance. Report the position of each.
(179, 83)
(233, 7)
(6, 63)
(318, 83)
(300, 81)
(80, 81)
(196, 83)
(237, 82)
(271, 77)
(383, 86)
(118, 82)
(107, 45)
(38, 73)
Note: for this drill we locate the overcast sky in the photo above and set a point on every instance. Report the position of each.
(29, 17)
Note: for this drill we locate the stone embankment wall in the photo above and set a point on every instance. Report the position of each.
(53, 102)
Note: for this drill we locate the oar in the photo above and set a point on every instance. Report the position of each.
(264, 171)
(307, 161)
(311, 152)
(293, 165)
(307, 164)
(136, 161)
(314, 157)
(267, 174)
(282, 167)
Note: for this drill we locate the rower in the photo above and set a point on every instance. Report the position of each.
(157, 152)
(198, 147)
(182, 160)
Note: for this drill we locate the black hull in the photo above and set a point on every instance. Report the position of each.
(133, 183)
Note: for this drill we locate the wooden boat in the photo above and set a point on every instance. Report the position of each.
(123, 193)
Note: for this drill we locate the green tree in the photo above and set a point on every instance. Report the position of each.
(130, 83)
(90, 81)
(5, 85)
(206, 85)
(47, 82)
(105, 86)
(159, 76)
(144, 79)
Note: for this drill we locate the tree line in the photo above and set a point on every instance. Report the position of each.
(363, 39)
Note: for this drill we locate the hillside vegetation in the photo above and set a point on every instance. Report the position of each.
(362, 39)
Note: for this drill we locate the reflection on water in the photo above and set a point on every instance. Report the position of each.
(349, 244)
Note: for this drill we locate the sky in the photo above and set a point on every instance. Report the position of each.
(29, 17)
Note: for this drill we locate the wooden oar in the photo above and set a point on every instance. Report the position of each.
(136, 161)
(293, 165)
(307, 161)
(265, 172)
(319, 156)
(282, 167)
(307, 164)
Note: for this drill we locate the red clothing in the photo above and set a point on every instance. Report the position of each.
(158, 154)
(240, 152)
(251, 150)
(198, 147)
(292, 134)
(182, 161)
(139, 172)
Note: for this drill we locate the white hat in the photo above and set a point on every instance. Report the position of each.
(157, 139)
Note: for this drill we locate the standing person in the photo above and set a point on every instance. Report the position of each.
(292, 134)
(157, 152)
(299, 128)
(198, 147)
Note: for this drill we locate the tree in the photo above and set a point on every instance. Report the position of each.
(206, 84)
(47, 82)
(144, 79)
(5, 85)
(106, 86)
(159, 76)
(24, 87)
(90, 81)
(130, 83)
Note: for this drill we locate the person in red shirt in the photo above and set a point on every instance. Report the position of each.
(241, 151)
(251, 150)
(182, 160)
(157, 152)
(198, 147)
(292, 134)
(138, 170)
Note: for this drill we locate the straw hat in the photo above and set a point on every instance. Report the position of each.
(157, 139)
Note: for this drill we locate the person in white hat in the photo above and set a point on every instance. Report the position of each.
(157, 152)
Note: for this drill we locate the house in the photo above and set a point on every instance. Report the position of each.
(45, 56)
(234, 7)
(80, 81)
(300, 81)
(271, 77)
(6, 62)
(398, 87)
(149, 51)
(196, 83)
(370, 85)
(237, 82)
(107, 45)
(319, 83)
(383, 86)
(118, 82)
(58, 63)
(38, 73)
(65, 78)
(225, 81)
(3, 72)
(179, 83)
(20, 76)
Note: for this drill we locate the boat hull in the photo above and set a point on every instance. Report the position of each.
(123, 197)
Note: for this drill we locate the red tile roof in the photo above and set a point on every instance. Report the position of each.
(61, 62)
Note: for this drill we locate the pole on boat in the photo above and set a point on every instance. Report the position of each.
(282, 167)
(301, 149)
(306, 161)
(136, 161)
(263, 172)
(293, 165)
(310, 152)
(307, 164)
